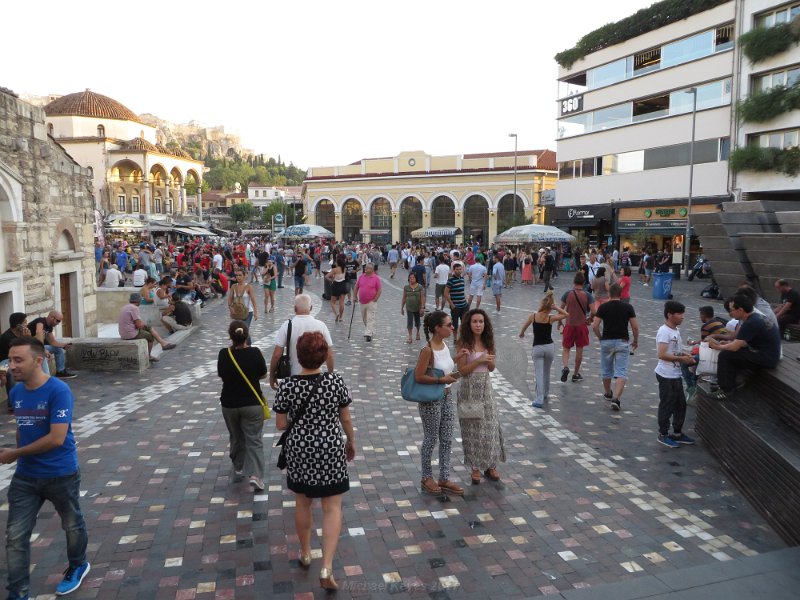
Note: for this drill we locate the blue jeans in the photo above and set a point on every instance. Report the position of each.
(25, 498)
(614, 359)
(60, 356)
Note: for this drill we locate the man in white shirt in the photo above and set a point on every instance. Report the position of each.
(112, 277)
(217, 260)
(301, 323)
(139, 276)
(477, 282)
(441, 274)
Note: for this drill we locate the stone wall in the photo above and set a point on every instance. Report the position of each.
(51, 230)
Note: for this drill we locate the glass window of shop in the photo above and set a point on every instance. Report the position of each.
(352, 220)
(650, 108)
(443, 212)
(324, 215)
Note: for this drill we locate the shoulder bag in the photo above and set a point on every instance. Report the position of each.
(298, 415)
(413, 391)
(589, 319)
(284, 367)
(264, 406)
(238, 307)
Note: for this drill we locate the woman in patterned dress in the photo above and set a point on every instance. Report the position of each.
(481, 435)
(316, 455)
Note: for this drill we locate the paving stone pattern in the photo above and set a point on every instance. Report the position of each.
(587, 496)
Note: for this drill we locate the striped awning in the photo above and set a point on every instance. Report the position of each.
(435, 232)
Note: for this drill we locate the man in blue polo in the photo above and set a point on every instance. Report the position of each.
(47, 468)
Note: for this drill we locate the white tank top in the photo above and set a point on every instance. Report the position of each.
(442, 360)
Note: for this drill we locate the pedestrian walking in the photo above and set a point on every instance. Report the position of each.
(241, 368)
(47, 468)
(600, 288)
(498, 281)
(269, 278)
(577, 302)
(314, 406)
(441, 274)
(242, 300)
(338, 288)
(478, 415)
(437, 417)
(368, 292)
(454, 293)
(671, 398)
(543, 351)
(615, 345)
(412, 304)
(477, 282)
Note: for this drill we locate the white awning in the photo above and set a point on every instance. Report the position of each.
(435, 232)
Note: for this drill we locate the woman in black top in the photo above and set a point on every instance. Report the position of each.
(241, 409)
(543, 347)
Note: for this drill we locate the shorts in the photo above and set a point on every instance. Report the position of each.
(497, 289)
(299, 281)
(614, 358)
(272, 285)
(393, 265)
(144, 334)
(575, 336)
(350, 283)
(440, 290)
(648, 272)
(476, 288)
(338, 288)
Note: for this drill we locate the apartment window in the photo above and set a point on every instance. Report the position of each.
(572, 86)
(135, 205)
(724, 38)
(589, 167)
(678, 155)
(650, 108)
(566, 169)
(649, 60)
(101, 131)
(710, 95)
(574, 125)
(121, 203)
(688, 49)
(607, 74)
(787, 77)
(724, 148)
(613, 116)
(775, 17)
(776, 139)
(625, 162)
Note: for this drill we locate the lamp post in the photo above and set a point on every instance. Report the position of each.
(514, 200)
(687, 238)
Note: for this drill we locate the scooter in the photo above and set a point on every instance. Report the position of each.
(701, 269)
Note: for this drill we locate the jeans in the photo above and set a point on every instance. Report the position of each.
(245, 427)
(60, 356)
(412, 319)
(614, 359)
(25, 498)
(455, 315)
(543, 355)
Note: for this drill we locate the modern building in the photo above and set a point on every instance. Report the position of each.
(134, 176)
(766, 79)
(46, 215)
(626, 120)
(261, 196)
(384, 200)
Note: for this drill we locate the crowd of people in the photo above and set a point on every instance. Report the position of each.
(312, 405)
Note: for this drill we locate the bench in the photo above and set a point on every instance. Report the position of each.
(107, 354)
(755, 435)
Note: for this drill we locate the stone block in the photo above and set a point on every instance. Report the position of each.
(108, 354)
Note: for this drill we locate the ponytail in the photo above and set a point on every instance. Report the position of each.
(431, 321)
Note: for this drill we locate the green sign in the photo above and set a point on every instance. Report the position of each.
(648, 213)
(683, 212)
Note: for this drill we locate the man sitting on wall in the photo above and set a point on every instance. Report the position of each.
(131, 326)
(788, 311)
(53, 346)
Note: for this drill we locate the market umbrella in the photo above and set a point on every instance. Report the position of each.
(435, 232)
(530, 234)
(305, 232)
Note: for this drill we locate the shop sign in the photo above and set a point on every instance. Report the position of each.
(665, 212)
(658, 224)
(126, 223)
(574, 213)
(571, 105)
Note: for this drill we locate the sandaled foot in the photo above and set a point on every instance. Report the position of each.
(429, 486)
(305, 560)
(327, 581)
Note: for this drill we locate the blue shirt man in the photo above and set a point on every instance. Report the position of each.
(47, 468)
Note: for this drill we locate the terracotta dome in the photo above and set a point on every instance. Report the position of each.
(89, 104)
(138, 144)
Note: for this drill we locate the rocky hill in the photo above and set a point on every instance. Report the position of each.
(197, 139)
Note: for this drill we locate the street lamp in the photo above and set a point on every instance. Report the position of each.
(687, 238)
(514, 200)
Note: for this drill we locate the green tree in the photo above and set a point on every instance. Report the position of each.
(275, 207)
(241, 213)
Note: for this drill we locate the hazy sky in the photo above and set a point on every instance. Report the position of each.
(318, 82)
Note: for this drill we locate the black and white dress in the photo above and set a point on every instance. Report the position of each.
(316, 464)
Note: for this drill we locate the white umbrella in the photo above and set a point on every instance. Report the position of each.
(305, 232)
(530, 234)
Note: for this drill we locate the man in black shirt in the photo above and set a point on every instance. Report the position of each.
(615, 347)
(299, 272)
(757, 345)
(350, 274)
(53, 346)
(788, 312)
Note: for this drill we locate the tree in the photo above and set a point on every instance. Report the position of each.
(241, 212)
(275, 207)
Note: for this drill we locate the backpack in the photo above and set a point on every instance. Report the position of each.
(238, 307)
(626, 259)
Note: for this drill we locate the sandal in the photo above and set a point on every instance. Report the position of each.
(430, 486)
(327, 581)
(476, 476)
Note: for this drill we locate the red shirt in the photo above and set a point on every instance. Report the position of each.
(223, 282)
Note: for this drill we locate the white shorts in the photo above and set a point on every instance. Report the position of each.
(476, 289)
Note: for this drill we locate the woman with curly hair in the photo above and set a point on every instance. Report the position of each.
(481, 435)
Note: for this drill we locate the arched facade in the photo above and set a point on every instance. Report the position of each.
(510, 213)
(352, 220)
(443, 211)
(410, 216)
(324, 214)
(380, 218)
(476, 219)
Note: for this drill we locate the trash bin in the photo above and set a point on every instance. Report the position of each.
(662, 286)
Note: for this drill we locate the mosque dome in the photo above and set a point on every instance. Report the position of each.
(89, 104)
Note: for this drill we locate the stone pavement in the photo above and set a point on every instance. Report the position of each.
(587, 496)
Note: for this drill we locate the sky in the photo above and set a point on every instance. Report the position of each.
(317, 82)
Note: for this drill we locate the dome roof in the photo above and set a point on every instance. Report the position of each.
(138, 144)
(163, 149)
(89, 104)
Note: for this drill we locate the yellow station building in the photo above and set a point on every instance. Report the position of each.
(384, 200)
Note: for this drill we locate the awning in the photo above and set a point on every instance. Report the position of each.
(201, 231)
(158, 228)
(375, 231)
(435, 232)
(575, 223)
(185, 230)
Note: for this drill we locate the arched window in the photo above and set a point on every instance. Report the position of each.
(135, 204)
(101, 131)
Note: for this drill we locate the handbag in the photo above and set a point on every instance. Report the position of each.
(284, 367)
(281, 464)
(471, 393)
(413, 391)
(264, 405)
(709, 358)
(238, 307)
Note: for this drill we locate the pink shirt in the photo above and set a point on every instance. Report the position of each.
(127, 316)
(368, 287)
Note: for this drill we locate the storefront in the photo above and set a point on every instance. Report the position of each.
(593, 221)
(656, 228)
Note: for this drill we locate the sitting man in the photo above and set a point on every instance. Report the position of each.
(757, 345)
(52, 345)
(788, 311)
(131, 326)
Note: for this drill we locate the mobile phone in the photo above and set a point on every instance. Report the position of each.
(455, 375)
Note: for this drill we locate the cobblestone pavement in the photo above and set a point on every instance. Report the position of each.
(587, 495)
